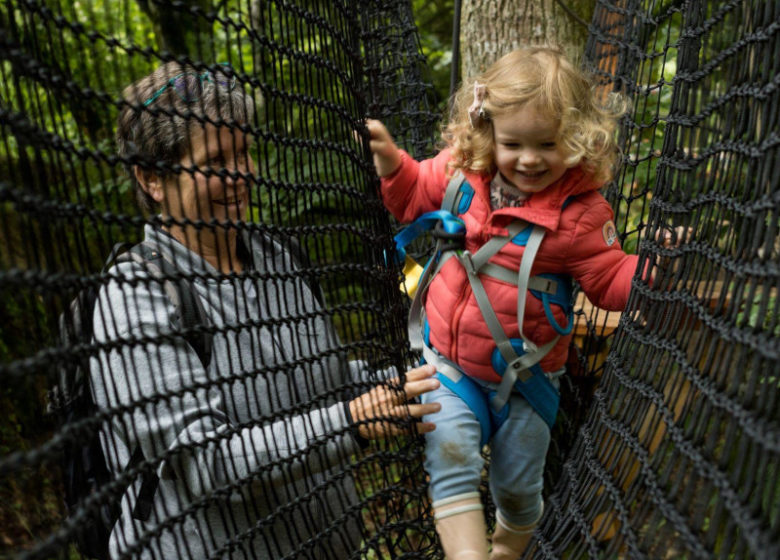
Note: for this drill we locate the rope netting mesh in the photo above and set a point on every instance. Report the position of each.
(676, 457)
(254, 111)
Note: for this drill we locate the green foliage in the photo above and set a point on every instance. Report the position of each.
(59, 182)
(756, 314)
(646, 126)
(434, 24)
(29, 502)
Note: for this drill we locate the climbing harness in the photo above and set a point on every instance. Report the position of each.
(515, 360)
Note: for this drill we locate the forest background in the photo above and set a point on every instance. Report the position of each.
(696, 144)
(24, 424)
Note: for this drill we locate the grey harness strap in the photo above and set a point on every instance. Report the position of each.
(451, 199)
(475, 265)
(443, 365)
(452, 194)
(517, 366)
(538, 283)
(523, 274)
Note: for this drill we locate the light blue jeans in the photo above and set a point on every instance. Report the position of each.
(517, 454)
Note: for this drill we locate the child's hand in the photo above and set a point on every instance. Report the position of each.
(387, 158)
(672, 237)
(669, 238)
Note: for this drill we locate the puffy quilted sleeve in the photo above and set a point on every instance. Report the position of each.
(416, 187)
(596, 259)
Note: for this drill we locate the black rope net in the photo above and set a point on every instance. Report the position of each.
(678, 456)
(222, 417)
(248, 453)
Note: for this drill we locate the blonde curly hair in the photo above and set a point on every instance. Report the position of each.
(544, 77)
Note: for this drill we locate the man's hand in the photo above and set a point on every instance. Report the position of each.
(391, 402)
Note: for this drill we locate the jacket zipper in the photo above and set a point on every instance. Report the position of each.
(460, 307)
(460, 304)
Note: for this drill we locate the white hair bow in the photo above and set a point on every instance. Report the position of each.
(477, 108)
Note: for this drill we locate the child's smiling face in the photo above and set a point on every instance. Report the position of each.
(527, 151)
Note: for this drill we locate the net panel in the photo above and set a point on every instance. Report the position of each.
(678, 457)
(252, 449)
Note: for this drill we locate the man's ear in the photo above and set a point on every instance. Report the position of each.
(150, 182)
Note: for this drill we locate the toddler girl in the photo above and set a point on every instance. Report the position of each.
(527, 151)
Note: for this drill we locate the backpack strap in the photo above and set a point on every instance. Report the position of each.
(149, 483)
(114, 256)
(189, 315)
(75, 326)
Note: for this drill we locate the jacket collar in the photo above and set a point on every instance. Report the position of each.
(543, 208)
(190, 262)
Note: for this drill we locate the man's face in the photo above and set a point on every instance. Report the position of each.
(199, 192)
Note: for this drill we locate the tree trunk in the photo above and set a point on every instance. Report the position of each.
(179, 28)
(492, 28)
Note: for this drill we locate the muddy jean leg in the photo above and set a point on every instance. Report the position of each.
(517, 455)
(452, 452)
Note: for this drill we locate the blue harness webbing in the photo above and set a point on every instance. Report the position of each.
(515, 360)
(537, 390)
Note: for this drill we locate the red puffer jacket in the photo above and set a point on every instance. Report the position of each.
(580, 241)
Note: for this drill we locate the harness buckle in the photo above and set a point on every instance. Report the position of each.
(449, 241)
(523, 374)
(468, 264)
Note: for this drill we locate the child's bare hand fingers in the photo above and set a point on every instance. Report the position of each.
(672, 237)
(378, 131)
(377, 146)
(374, 128)
(386, 155)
